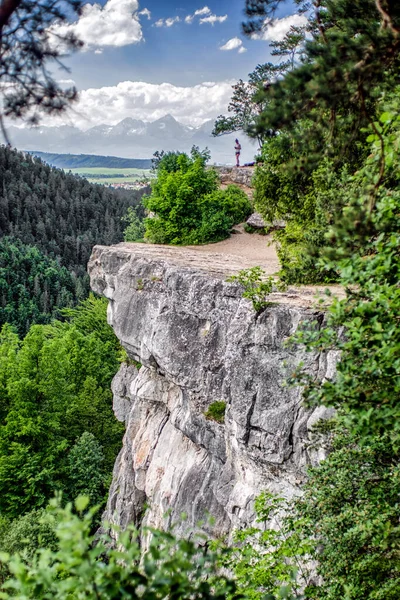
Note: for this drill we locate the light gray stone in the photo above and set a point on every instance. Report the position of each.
(199, 341)
(122, 397)
(242, 175)
(255, 220)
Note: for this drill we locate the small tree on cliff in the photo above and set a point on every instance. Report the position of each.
(250, 99)
(246, 104)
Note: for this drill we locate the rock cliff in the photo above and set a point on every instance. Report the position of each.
(199, 342)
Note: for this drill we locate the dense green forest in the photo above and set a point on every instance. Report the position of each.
(57, 428)
(76, 161)
(63, 216)
(33, 287)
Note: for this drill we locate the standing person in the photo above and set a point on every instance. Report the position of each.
(238, 148)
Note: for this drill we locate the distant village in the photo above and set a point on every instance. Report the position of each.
(132, 185)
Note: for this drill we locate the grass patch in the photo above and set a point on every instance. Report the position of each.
(216, 411)
(108, 176)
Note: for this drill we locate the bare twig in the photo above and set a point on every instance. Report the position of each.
(387, 22)
(7, 8)
(4, 131)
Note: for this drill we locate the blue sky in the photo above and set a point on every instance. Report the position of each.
(146, 57)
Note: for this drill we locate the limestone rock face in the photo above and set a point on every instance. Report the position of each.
(199, 342)
(242, 175)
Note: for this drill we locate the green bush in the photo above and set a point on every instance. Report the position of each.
(85, 566)
(188, 206)
(216, 411)
(256, 286)
(135, 230)
(27, 533)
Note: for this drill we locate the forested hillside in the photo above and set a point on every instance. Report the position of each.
(57, 428)
(63, 216)
(75, 161)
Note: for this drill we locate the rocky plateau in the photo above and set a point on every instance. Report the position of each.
(198, 342)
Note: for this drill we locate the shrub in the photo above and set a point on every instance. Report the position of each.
(135, 229)
(256, 286)
(216, 411)
(87, 566)
(188, 206)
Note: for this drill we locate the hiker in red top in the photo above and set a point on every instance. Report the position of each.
(238, 148)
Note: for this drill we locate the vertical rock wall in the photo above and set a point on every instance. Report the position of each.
(200, 342)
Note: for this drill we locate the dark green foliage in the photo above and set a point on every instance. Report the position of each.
(305, 199)
(320, 108)
(77, 161)
(348, 517)
(56, 387)
(29, 53)
(33, 287)
(351, 57)
(62, 214)
(85, 469)
(188, 206)
(135, 229)
(216, 411)
(350, 511)
(85, 567)
(246, 104)
(367, 385)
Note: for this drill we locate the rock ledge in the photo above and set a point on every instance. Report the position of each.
(199, 342)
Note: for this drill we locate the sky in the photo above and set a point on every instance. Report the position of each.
(147, 58)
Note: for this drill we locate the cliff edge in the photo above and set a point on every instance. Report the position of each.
(199, 342)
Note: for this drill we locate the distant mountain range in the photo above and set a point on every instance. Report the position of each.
(78, 161)
(131, 138)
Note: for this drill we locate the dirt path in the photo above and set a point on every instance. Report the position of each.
(240, 251)
(250, 249)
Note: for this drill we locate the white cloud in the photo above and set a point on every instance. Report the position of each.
(66, 82)
(242, 50)
(167, 22)
(171, 21)
(232, 44)
(146, 13)
(212, 19)
(200, 12)
(114, 24)
(277, 29)
(146, 101)
(98, 51)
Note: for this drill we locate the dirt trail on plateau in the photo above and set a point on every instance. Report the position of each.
(222, 259)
